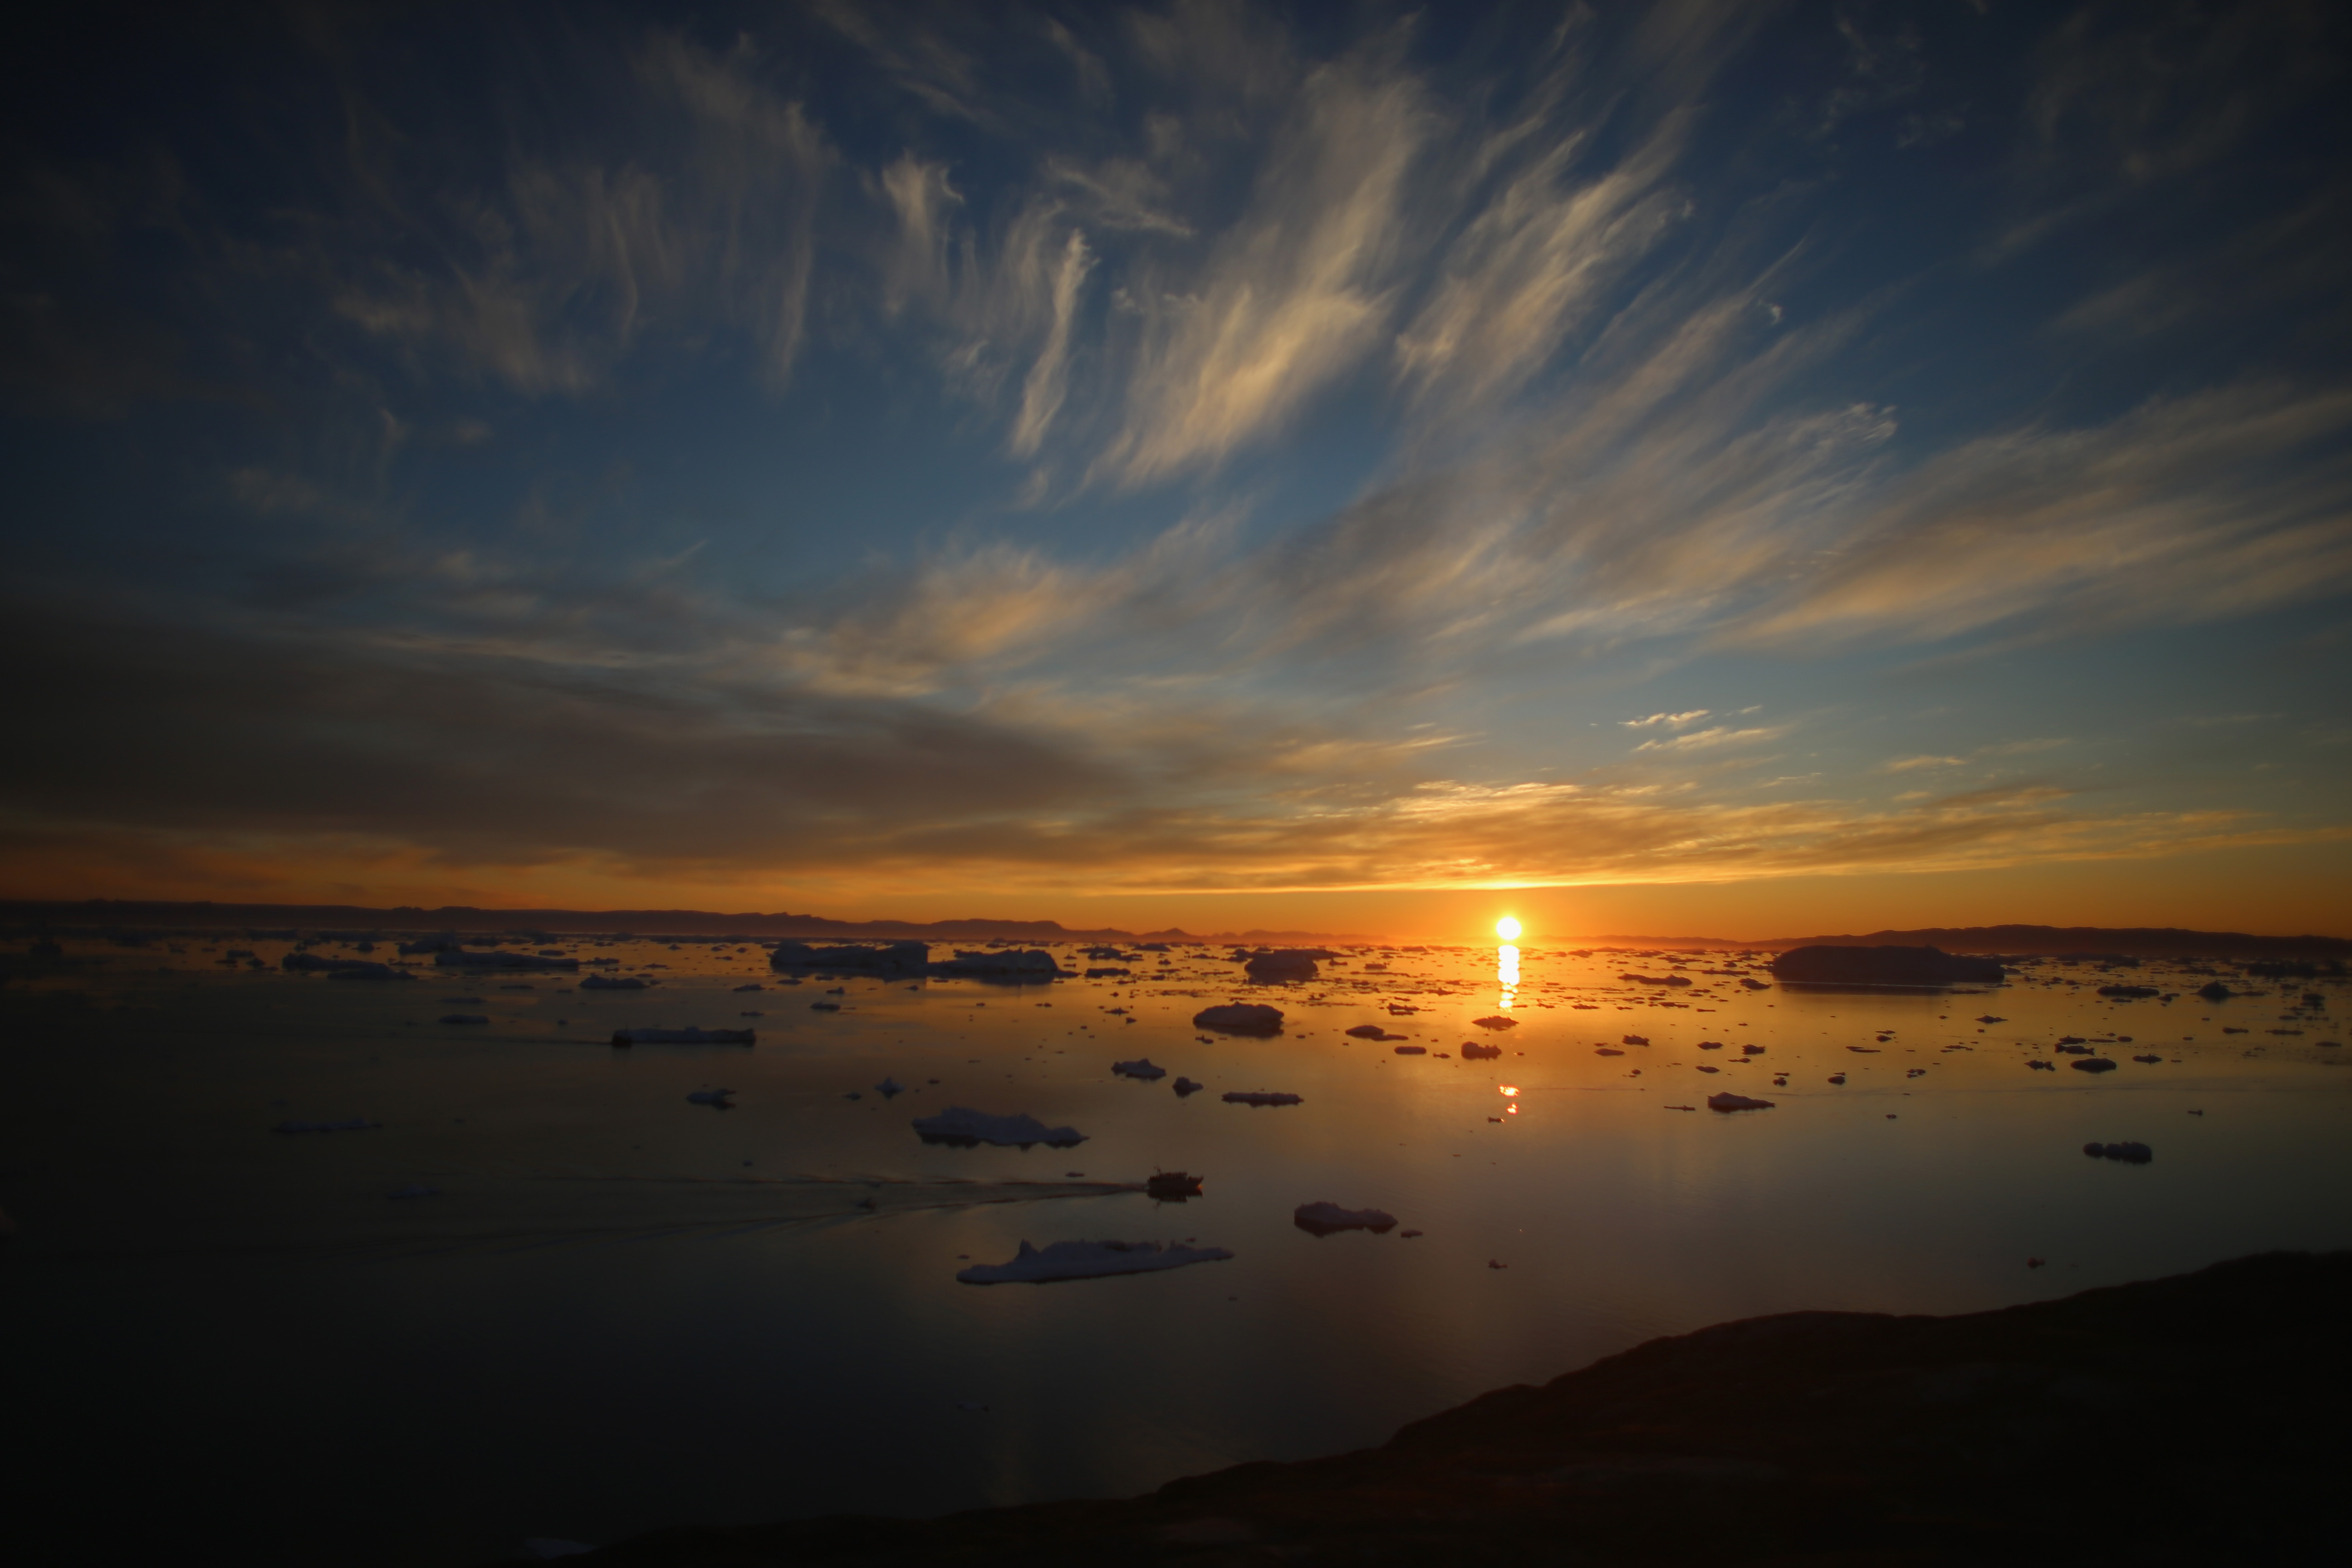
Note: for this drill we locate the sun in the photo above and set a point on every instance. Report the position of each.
(1507, 929)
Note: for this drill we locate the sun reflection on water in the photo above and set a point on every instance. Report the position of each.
(1506, 972)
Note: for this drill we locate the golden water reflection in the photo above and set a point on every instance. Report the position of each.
(1506, 972)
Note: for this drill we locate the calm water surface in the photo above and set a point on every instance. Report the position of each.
(622, 1311)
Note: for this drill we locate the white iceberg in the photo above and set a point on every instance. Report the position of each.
(1142, 1068)
(1324, 1219)
(1086, 1260)
(965, 1127)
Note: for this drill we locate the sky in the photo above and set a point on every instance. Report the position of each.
(1692, 469)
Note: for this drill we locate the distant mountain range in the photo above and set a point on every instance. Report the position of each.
(102, 913)
(2138, 941)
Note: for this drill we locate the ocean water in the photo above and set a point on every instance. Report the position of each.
(618, 1309)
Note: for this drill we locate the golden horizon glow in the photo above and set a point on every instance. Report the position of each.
(1508, 928)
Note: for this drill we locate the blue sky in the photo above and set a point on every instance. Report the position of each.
(1192, 458)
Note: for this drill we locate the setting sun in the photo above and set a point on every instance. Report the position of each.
(1507, 929)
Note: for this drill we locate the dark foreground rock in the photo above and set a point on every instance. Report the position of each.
(1882, 966)
(2192, 1420)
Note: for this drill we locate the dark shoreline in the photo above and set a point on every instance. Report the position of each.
(2196, 1419)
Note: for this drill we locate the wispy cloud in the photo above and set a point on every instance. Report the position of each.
(1671, 720)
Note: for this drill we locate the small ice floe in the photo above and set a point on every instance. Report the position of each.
(1473, 1051)
(1607, 1051)
(1756, 985)
(2091, 1064)
(1669, 1108)
(1989, 1018)
(1496, 1020)
(2150, 1058)
(1751, 1050)
(1371, 1032)
(608, 983)
(414, 1190)
(461, 1018)
(683, 1036)
(2129, 1153)
(2038, 1065)
(1736, 1102)
(354, 1124)
(755, 985)
(962, 1128)
(1142, 1068)
(1240, 1018)
(825, 1006)
(1185, 1086)
(1704, 1068)
(1407, 1235)
(1171, 1187)
(1412, 1050)
(1087, 1260)
(546, 1548)
(1837, 1078)
(1259, 1096)
(1492, 1263)
(1633, 1039)
(889, 1087)
(1329, 1219)
(1710, 1045)
(722, 1099)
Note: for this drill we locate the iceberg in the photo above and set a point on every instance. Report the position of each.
(1260, 1097)
(1329, 1218)
(1026, 963)
(963, 1127)
(458, 958)
(898, 957)
(1142, 1068)
(605, 982)
(1240, 1018)
(682, 1038)
(1087, 1260)
(1736, 1102)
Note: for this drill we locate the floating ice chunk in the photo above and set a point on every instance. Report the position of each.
(1329, 1218)
(458, 958)
(1283, 963)
(722, 1098)
(1636, 1040)
(1373, 1032)
(1736, 1102)
(1185, 1086)
(683, 1037)
(607, 983)
(1087, 1260)
(890, 1086)
(1260, 1097)
(962, 1127)
(2091, 1064)
(1142, 1068)
(1473, 1051)
(2129, 1153)
(1171, 1187)
(896, 957)
(1240, 1018)
(1412, 1050)
(1496, 1020)
(1026, 963)
(355, 1125)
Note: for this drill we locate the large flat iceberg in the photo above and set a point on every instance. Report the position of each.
(898, 957)
(1240, 1018)
(964, 1127)
(1087, 1260)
